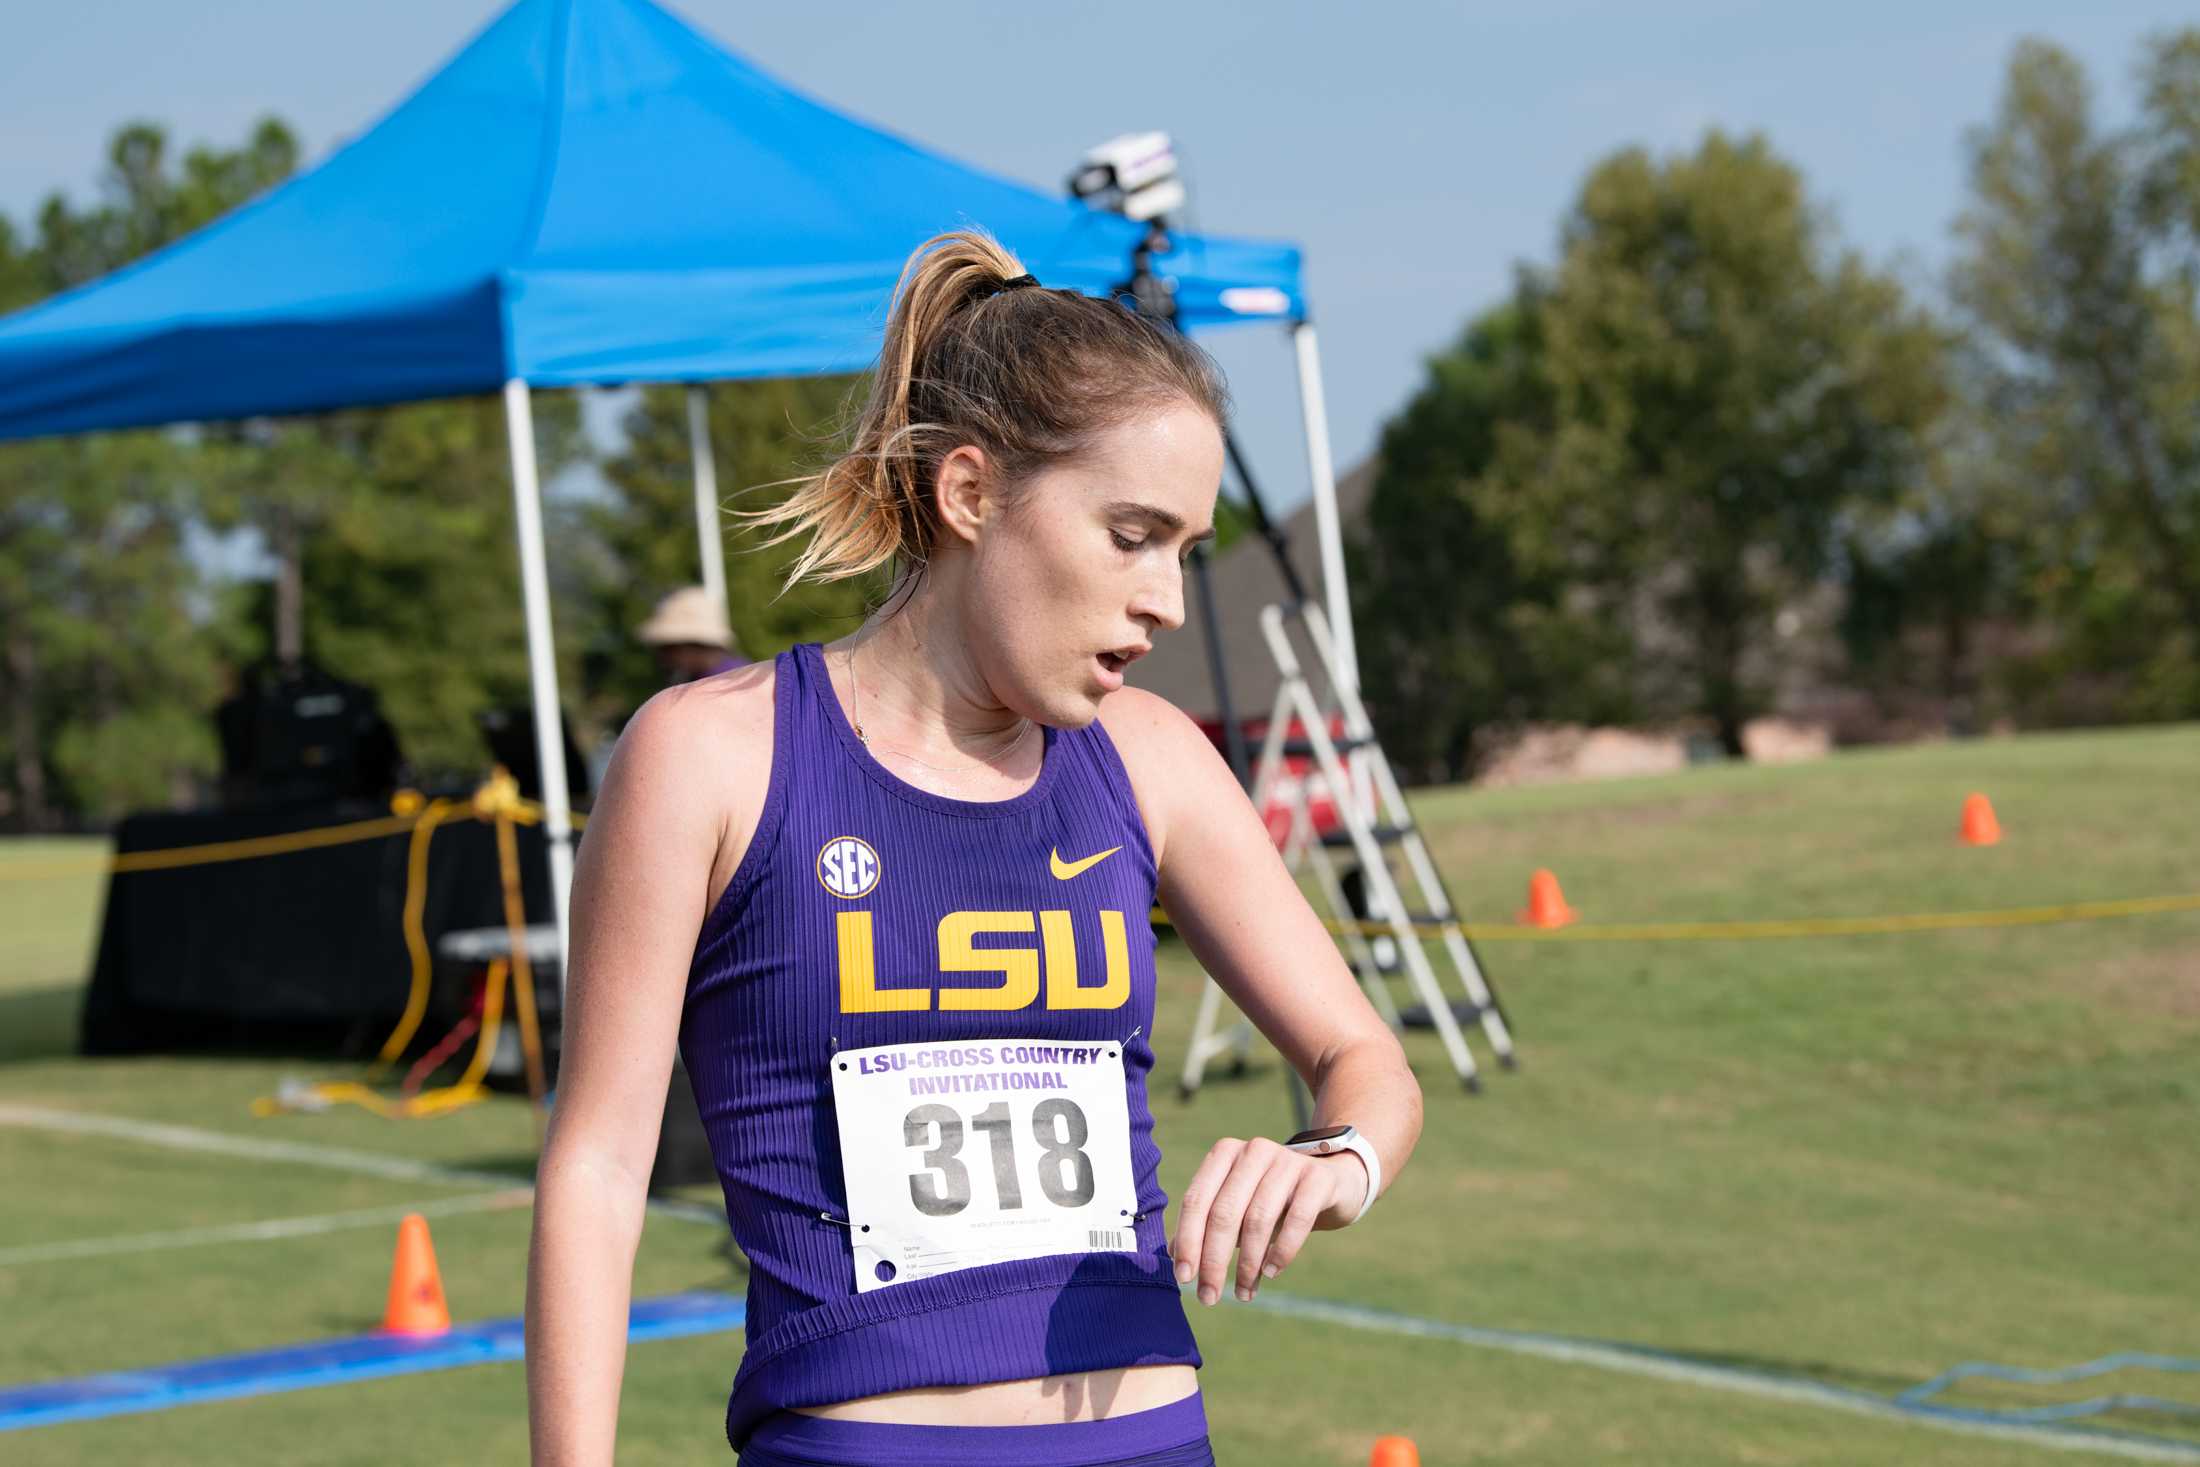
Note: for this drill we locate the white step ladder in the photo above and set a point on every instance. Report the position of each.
(1371, 841)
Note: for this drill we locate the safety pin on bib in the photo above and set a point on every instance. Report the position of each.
(1140, 1216)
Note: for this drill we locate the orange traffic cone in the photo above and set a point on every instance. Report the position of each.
(1546, 903)
(1980, 828)
(1395, 1451)
(416, 1304)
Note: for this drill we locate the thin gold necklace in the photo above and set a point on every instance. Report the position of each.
(855, 719)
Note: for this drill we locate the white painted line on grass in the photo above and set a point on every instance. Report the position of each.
(256, 1232)
(1619, 1358)
(334, 1158)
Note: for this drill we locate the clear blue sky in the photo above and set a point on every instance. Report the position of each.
(1416, 150)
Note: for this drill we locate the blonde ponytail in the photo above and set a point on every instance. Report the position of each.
(1025, 375)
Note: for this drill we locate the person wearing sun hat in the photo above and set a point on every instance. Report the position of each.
(690, 636)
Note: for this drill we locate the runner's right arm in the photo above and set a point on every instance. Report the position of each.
(656, 854)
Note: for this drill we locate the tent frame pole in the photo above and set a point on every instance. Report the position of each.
(542, 665)
(1329, 531)
(1336, 596)
(707, 532)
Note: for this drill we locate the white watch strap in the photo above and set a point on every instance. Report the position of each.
(1358, 1146)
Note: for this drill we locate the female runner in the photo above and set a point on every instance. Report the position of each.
(889, 897)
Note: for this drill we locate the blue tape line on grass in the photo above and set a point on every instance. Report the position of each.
(2065, 1410)
(329, 1362)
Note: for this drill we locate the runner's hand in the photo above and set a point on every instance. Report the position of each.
(1263, 1198)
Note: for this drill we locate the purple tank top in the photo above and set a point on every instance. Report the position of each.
(766, 1013)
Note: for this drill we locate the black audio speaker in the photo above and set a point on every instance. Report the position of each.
(296, 734)
(509, 734)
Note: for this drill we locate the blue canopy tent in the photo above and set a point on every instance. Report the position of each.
(590, 193)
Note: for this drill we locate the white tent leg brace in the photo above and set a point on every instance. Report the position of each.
(542, 666)
(706, 494)
(1337, 600)
(1329, 530)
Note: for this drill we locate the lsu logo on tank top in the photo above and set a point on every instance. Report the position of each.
(849, 868)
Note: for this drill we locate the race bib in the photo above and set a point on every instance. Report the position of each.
(978, 1152)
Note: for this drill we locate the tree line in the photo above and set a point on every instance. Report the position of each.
(1636, 487)
(1616, 497)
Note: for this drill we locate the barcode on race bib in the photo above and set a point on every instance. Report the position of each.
(1106, 1238)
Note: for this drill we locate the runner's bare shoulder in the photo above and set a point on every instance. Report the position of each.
(1171, 762)
(705, 746)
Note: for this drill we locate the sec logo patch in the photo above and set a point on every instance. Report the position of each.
(847, 867)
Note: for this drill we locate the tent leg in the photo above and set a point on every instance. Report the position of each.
(542, 667)
(707, 534)
(1329, 531)
(1337, 601)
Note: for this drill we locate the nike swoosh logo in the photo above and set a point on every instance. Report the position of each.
(1064, 870)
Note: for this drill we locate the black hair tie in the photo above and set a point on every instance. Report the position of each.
(1021, 281)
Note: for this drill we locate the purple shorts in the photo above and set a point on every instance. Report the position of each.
(1174, 1435)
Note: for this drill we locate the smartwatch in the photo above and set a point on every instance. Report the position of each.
(1328, 1141)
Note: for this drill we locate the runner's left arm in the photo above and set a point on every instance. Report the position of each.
(1225, 888)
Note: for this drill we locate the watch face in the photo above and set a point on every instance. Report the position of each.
(1326, 1133)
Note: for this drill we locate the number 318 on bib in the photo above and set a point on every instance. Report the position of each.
(943, 1188)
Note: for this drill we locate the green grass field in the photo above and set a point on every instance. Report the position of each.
(1855, 1160)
